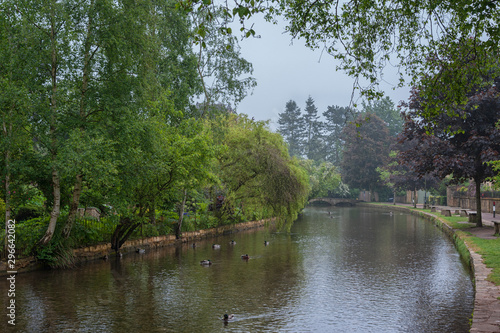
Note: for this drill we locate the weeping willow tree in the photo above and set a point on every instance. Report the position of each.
(257, 173)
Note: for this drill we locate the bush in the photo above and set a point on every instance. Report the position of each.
(28, 212)
(440, 200)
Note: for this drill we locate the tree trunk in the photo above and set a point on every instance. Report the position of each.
(7, 201)
(415, 198)
(56, 208)
(479, 216)
(152, 214)
(56, 186)
(394, 198)
(77, 190)
(122, 232)
(181, 216)
(73, 207)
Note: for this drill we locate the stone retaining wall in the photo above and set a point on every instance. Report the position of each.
(100, 250)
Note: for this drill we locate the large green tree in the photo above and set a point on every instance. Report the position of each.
(14, 106)
(313, 140)
(95, 61)
(336, 118)
(223, 72)
(291, 127)
(385, 109)
(258, 173)
(366, 148)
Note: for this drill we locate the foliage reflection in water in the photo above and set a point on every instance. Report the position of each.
(356, 270)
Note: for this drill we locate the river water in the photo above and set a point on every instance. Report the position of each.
(351, 270)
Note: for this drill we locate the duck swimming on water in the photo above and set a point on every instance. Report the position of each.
(227, 317)
(206, 262)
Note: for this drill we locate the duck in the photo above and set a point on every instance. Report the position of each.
(140, 251)
(245, 256)
(105, 257)
(232, 242)
(215, 246)
(193, 245)
(227, 317)
(206, 262)
(266, 243)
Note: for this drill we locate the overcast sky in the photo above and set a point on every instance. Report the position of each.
(286, 71)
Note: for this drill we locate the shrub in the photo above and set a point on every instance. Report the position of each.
(28, 212)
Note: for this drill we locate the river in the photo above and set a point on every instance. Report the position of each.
(350, 270)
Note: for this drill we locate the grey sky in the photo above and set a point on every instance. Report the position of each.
(286, 71)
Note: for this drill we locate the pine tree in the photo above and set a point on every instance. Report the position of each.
(291, 127)
(336, 118)
(313, 145)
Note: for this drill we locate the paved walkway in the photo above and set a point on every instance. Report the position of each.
(487, 299)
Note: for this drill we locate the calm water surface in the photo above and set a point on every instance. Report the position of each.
(356, 270)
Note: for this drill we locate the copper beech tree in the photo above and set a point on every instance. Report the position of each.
(459, 143)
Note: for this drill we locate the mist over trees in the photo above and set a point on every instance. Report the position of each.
(318, 136)
(347, 142)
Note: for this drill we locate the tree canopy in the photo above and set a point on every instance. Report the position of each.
(366, 148)
(461, 142)
(366, 36)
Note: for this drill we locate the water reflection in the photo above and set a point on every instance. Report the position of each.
(356, 270)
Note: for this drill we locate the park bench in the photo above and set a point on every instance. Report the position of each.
(463, 212)
(496, 225)
(472, 216)
(446, 212)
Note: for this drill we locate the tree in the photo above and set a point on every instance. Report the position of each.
(14, 105)
(291, 126)
(95, 60)
(313, 144)
(366, 148)
(258, 173)
(164, 161)
(219, 63)
(324, 178)
(459, 143)
(384, 108)
(400, 176)
(336, 117)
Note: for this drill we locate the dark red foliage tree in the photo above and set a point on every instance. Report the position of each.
(458, 143)
(403, 176)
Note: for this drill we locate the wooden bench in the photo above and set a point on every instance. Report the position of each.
(496, 225)
(446, 212)
(463, 212)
